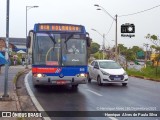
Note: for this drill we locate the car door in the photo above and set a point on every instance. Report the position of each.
(90, 69)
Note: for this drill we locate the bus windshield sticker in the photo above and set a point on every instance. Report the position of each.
(51, 62)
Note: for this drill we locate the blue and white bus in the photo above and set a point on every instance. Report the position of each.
(52, 63)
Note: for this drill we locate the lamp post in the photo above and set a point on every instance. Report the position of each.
(115, 19)
(103, 44)
(5, 96)
(27, 8)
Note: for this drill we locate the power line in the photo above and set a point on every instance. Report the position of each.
(139, 11)
(108, 32)
(110, 28)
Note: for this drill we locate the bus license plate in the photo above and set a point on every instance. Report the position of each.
(60, 82)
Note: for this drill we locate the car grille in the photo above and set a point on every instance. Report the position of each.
(116, 76)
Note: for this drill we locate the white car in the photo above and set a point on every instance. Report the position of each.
(107, 71)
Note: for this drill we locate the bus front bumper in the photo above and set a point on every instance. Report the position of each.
(53, 80)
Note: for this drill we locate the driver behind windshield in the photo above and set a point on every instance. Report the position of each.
(73, 49)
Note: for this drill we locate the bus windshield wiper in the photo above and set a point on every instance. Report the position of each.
(53, 39)
(71, 35)
(67, 38)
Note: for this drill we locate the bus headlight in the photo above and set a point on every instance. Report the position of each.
(81, 75)
(39, 75)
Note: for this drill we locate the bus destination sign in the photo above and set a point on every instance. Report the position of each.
(59, 27)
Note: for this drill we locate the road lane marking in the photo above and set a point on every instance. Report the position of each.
(113, 118)
(34, 100)
(94, 92)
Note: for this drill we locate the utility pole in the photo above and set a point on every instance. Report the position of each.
(146, 45)
(103, 42)
(26, 40)
(115, 19)
(116, 50)
(27, 8)
(103, 46)
(5, 95)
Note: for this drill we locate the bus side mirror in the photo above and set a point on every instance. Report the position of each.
(28, 42)
(88, 41)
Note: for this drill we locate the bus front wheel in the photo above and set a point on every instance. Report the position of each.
(74, 86)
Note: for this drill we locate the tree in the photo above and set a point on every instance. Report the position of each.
(136, 49)
(122, 49)
(156, 41)
(98, 55)
(94, 47)
(129, 55)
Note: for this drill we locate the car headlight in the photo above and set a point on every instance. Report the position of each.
(124, 73)
(105, 73)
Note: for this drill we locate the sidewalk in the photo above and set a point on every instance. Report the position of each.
(10, 105)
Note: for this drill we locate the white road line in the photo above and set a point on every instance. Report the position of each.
(94, 92)
(113, 118)
(34, 100)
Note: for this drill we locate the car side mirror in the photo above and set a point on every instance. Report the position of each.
(96, 67)
(28, 42)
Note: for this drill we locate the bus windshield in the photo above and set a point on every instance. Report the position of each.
(46, 49)
(59, 49)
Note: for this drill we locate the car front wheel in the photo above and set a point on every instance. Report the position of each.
(89, 78)
(99, 81)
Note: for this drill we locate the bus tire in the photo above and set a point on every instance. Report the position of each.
(74, 86)
(36, 86)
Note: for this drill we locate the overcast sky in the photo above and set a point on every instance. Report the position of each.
(84, 12)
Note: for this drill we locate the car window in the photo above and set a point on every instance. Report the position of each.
(96, 64)
(92, 64)
(109, 65)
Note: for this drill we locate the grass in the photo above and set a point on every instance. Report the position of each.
(148, 72)
(17, 76)
(20, 118)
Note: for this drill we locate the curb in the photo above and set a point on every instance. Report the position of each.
(34, 99)
(145, 78)
(15, 93)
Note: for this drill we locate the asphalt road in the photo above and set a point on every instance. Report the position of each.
(138, 94)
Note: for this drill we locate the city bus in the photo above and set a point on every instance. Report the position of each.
(52, 63)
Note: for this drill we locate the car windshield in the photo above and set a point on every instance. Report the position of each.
(109, 65)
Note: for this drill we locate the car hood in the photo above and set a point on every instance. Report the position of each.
(114, 71)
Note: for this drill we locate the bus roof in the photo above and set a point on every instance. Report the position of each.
(59, 27)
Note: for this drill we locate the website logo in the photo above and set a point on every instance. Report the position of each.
(127, 30)
(6, 114)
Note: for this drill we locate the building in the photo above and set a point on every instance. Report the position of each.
(3, 46)
(15, 44)
(153, 59)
